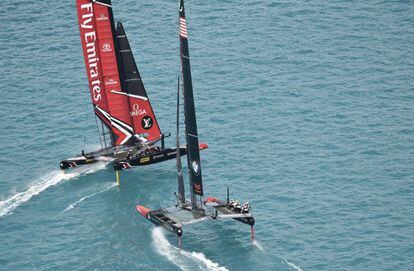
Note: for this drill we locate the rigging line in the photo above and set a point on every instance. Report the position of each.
(99, 132)
(88, 102)
(84, 125)
(96, 122)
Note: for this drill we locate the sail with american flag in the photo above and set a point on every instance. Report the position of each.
(198, 209)
(183, 27)
(193, 150)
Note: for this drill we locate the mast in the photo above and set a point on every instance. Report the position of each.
(180, 178)
(193, 152)
(141, 112)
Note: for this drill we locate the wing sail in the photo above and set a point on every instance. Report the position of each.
(96, 29)
(193, 154)
(180, 178)
(142, 115)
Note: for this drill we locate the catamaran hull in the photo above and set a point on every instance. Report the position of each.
(120, 159)
(79, 161)
(144, 160)
(158, 219)
(149, 159)
(169, 218)
(222, 207)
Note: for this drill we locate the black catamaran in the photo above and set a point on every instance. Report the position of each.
(197, 209)
(128, 129)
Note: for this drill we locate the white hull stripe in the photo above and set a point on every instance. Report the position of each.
(130, 95)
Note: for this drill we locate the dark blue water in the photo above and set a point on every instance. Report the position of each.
(307, 107)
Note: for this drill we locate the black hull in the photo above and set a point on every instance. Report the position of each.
(223, 208)
(73, 163)
(140, 157)
(97, 156)
(173, 219)
(160, 219)
(149, 159)
(121, 158)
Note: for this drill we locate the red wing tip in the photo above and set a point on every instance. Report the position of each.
(203, 146)
(211, 199)
(142, 210)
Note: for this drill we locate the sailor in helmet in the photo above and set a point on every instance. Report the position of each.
(237, 207)
(246, 207)
(231, 203)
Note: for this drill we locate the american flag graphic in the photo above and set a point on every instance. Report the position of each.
(183, 28)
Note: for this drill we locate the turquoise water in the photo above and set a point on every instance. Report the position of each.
(307, 107)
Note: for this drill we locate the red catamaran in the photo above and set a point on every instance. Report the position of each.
(128, 127)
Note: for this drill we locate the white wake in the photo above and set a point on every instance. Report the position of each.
(71, 206)
(7, 206)
(183, 259)
(294, 266)
(258, 245)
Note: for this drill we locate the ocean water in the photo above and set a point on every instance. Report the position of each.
(307, 107)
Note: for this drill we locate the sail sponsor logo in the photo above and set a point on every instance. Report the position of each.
(102, 17)
(158, 156)
(196, 167)
(91, 55)
(197, 187)
(110, 82)
(88, 17)
(146, 122)
(145, 159)
(137, 111)
(106, 48)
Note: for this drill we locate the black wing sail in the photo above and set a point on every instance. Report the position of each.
(193, 154)
(180, 178)
(128, 67)
(133, 87)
